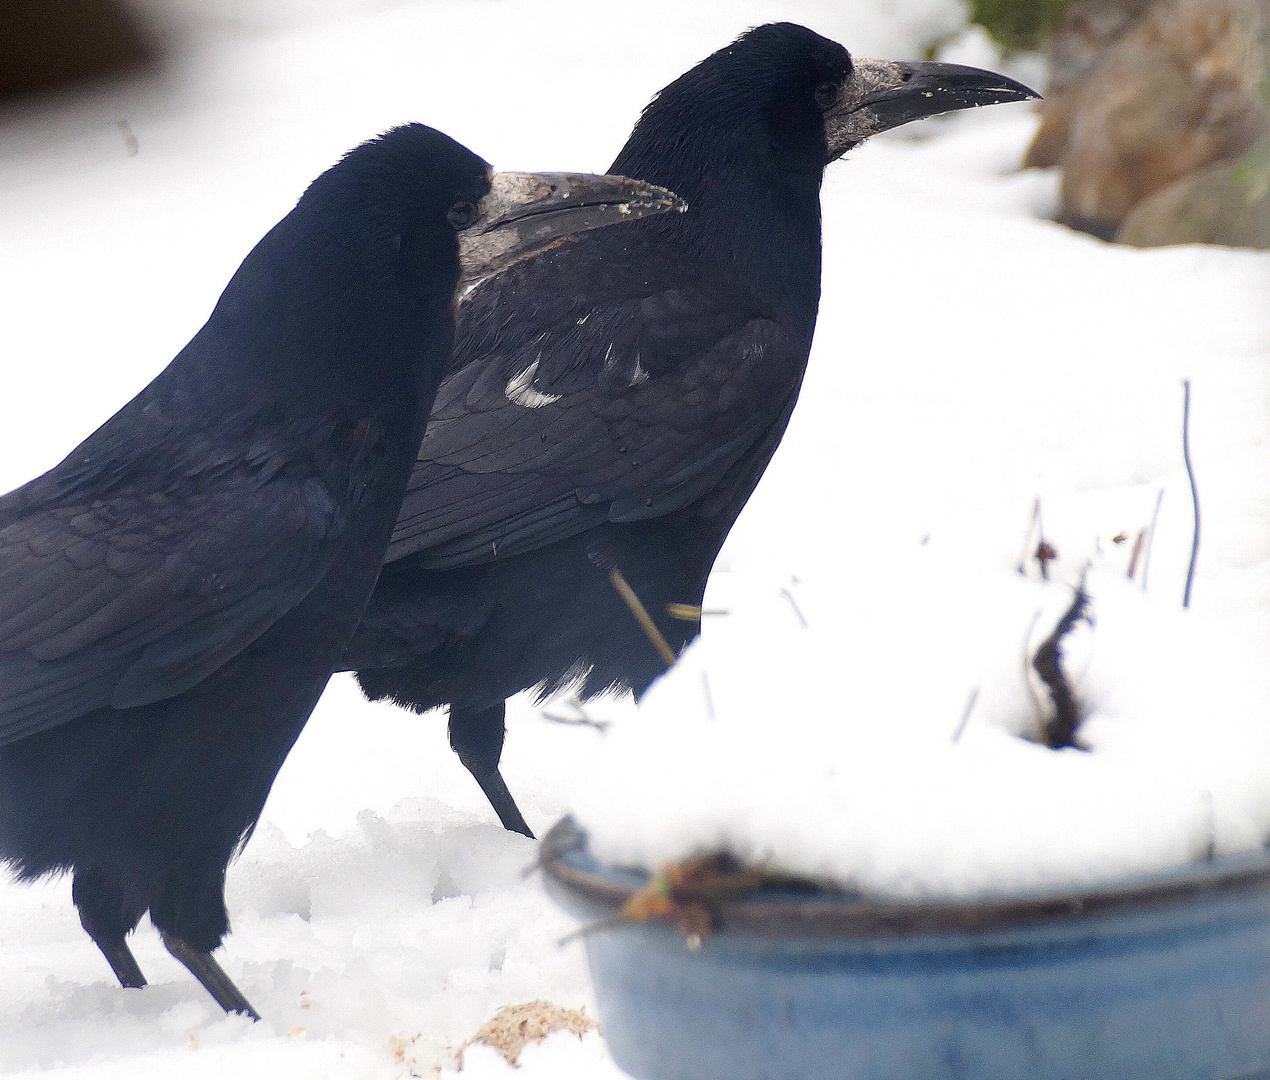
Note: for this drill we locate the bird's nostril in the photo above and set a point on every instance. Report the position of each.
(906, 76)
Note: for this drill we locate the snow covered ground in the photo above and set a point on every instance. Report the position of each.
(379, 917)
(970, 361)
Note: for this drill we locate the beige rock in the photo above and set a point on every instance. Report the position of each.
(1177, 92)
(1227, 203)
(514, 1027)
(1081, 39)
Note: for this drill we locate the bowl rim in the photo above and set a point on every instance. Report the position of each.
(847, 915)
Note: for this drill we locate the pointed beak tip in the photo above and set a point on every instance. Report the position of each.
(1023, 92)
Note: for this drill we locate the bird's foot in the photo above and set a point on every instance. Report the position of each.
(203, 966)
(476, 735)
(504, 805)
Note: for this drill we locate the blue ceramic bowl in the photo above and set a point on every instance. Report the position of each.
(1164, 977)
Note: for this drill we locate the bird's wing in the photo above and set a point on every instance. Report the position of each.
(619, 410)
(134, 597)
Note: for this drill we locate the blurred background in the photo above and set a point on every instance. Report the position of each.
(1156, 110)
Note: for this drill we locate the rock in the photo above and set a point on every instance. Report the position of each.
(1227, 203)
(1176, 92)
(1081, 38)
(44, 45)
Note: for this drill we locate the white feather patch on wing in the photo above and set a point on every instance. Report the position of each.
(520, 389)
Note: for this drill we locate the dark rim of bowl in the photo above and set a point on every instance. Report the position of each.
(844, 915)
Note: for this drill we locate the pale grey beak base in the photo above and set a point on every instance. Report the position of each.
(884, 94)
(526, 213)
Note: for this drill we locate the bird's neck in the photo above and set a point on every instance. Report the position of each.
(324, 327)
(754, 222)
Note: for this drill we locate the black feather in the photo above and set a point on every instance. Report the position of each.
(625, 390)
(174, 594)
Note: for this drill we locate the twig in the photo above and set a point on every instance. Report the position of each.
(583, 719)
(1027, 665)
(1033, 527)
(569, 721)
(604, 555)
(1060, 730)
(965, 716)
(1136, 553)
(1045, 554)
(587, 929)
(794, 604)
(693, 613)
(1190, 476)
(1155, 520)
(641, 614)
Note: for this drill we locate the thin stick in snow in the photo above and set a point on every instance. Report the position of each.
(1136, 553)
(965, 716)
(794, 604)
(1033, 529)
(1027, 666)
(1190, 476)
(583, 719)
(1059, 731)
(1155, 520)
(1045, 554)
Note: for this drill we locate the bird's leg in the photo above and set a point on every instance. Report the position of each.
(203, 966)
(476, 735)
(107, 918)
(115, 949)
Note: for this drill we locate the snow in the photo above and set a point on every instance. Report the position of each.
(970, 358)
(971, 361)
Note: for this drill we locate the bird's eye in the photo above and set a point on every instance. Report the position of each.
(826, 94)
(462, 215)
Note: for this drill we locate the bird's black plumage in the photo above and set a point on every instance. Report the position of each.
(613, 402)
(174, 594)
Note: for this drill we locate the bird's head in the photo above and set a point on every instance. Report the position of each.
(813, 83)
(782, 97)
(367, 264)
(425, 201)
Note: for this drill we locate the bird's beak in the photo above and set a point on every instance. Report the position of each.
(883, 94)
(526, 213)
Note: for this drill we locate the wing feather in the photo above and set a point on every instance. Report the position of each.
(610, 379)
(131, 599)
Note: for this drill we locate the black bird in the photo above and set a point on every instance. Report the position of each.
(612, 403)
(174, 595)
